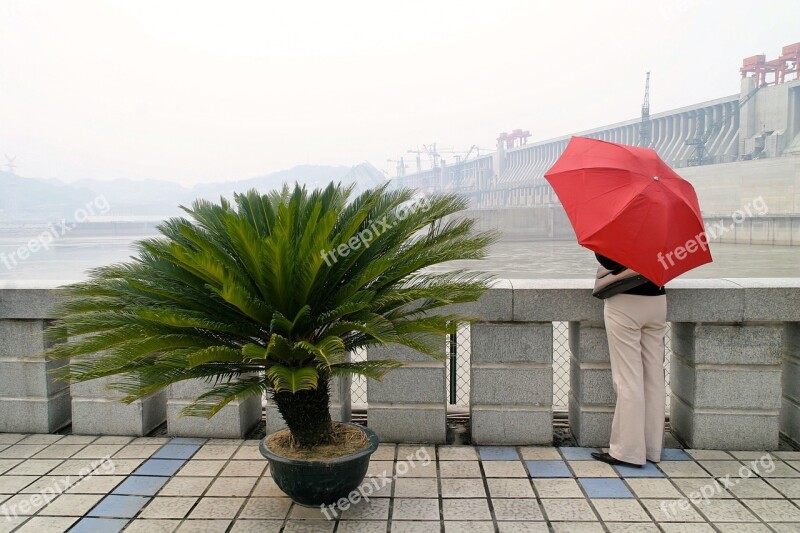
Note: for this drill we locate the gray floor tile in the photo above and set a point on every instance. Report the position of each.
(420, 526)
(457, 453)
(48, 524)
(463, 488)
(219, 508)
(416, 488)
(415, 509)
(523, 510)
(774, 510)
(725, 511)
(459, 468)
(620, 510)
(473, 526)
(152, 526)
(568, 510)
(509, 488)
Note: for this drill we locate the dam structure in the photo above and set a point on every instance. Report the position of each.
(733, 150)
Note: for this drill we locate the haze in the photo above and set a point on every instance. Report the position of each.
(199, 91)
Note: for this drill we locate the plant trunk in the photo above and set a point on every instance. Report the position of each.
(306, 414)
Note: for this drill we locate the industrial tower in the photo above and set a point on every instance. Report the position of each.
(644, 128)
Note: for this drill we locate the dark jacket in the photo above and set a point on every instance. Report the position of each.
(647, 289)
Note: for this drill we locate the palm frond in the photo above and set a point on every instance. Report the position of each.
(243, 294)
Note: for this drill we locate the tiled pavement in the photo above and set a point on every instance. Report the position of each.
(208, 485)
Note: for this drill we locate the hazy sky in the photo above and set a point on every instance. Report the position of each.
(215, 91)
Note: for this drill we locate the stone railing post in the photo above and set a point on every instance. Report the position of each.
(591, 397)
(409, 404)
(727, 344)
(511, 383)
(726, 385)
(790, 409)
(30, 400)
(234, 421)
(591, 392)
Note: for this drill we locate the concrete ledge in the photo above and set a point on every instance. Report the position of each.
(700, 300)
(494, 306)
(518, 426)
(550, 300)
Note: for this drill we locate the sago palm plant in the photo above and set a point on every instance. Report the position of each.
(269, 293)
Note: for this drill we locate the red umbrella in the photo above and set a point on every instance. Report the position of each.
(625, 203)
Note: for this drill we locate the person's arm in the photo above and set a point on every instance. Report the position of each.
(608, 263)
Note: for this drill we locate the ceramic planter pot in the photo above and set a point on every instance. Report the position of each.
(315, 483)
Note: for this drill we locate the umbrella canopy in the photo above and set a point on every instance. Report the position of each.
(625, 203)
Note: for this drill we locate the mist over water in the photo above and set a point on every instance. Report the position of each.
(70, 259)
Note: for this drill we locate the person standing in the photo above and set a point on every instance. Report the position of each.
(636, 322)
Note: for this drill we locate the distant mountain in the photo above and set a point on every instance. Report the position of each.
(25, 199)
(30, 199)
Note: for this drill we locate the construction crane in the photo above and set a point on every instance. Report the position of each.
(430, 151)
(400, 166)
(433, 155)
(418, 153)
(644, 127)
(460, 156)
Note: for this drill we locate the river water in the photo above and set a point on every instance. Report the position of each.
(69, 259)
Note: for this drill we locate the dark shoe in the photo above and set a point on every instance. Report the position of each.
(608, 458)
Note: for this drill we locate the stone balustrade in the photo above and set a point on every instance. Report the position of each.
(735, 371)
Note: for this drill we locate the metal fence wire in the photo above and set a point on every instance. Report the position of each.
(457, 380)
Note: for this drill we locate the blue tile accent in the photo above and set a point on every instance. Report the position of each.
(648, 470)
(498, 453)
(187, 440)
(119, 507)
(176, 451)
(573, 453)
(548, 469)
(141, 485)
(159, 467)
(674, 454)
(607, 487)
(93, 525)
